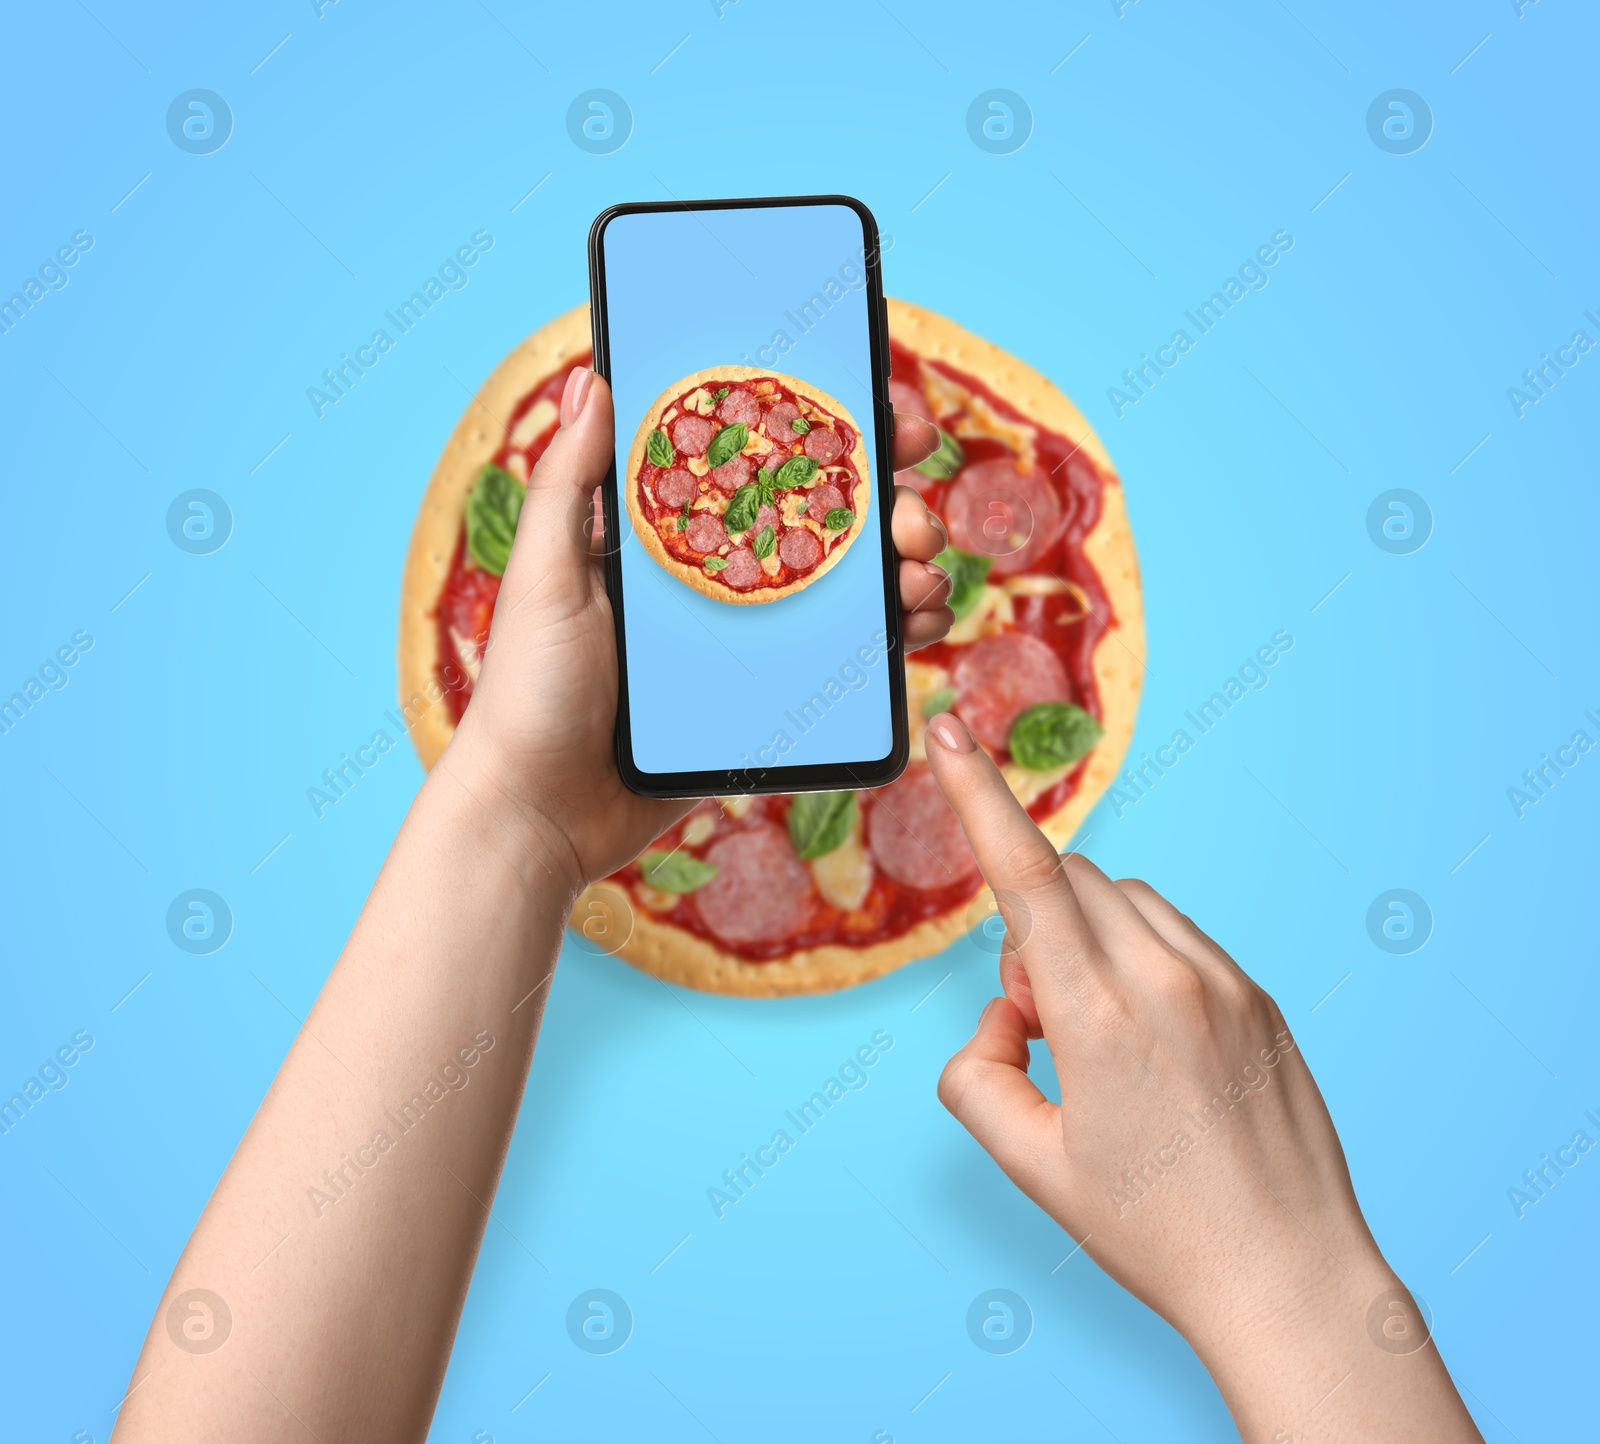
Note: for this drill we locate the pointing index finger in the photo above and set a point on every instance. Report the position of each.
(1022, 867)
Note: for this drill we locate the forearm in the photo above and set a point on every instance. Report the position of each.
(355, 1205)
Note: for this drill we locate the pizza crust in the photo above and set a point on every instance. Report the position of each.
(476, 439)
(695, 577)
(604, 916)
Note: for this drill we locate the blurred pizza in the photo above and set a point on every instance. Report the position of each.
(767, 896)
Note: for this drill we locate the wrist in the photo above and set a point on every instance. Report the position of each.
(510, 822)
(1280, 1346)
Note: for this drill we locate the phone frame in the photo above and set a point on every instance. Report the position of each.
(820, 777)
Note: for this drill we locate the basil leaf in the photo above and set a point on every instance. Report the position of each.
(675, 871)
(741, 512)
(683, 520)
(765, 486)
(839, 518)
(765, 540)
(967, 575)
(946, 461)
(796, 471)
(820, 821)
(715, 564)
(721, 392)
(939, 702)
(727, 443)
(1052, 734)
(799, 426)
(493, 506)
(659, 449)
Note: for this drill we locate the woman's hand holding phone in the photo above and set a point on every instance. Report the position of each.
(536, 744)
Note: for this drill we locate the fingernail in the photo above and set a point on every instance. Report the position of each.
(940, 527)
(943, 587)
(951, 734)
(987, 1009)
(575, 394)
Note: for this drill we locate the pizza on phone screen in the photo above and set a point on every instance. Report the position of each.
(746, 485)
(775, 895)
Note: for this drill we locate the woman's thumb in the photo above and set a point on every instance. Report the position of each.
(553, 533)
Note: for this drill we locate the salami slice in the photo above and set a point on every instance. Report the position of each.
(692, 434)
(799, 550)
(733, 473)
(706, 531)
(820, 500)
(743, 570)
(739, 405)
(778, 419)
(766, 516)
(994, 512)
(762, 891)
(823, 446)
(675, 487)
(914, 836)
(1000, 677)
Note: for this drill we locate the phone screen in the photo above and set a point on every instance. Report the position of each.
(748, 551)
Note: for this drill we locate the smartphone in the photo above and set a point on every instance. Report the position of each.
(748, 552)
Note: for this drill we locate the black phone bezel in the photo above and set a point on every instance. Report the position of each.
(778, 778)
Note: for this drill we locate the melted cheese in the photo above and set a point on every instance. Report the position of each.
(698, 828)
(698, 465)
(769, 564)
(517, 465)
(654, 899)
(467, 652)
(1032, 586)
(923, 679)
(993, 614)
(982, 422)
(979, 419)
(844, 876)
(699, 400)
(538, 419)
(1029, 785)
(1029, 586)
(736, 807)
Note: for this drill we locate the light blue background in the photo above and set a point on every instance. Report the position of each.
(709, 683)
(1172, 142)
